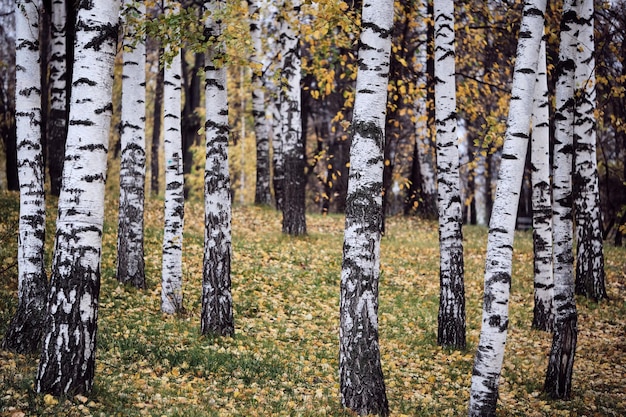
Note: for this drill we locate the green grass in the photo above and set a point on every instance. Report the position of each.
(283, 357)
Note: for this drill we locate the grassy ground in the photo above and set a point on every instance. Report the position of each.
(283, 358)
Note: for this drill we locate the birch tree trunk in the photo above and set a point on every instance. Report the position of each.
(278, 160)
(172, 271)
(294, 220)
(217, 301)
(495, 319)
(361, 377)
(130, 253)
(590, 275)
(558, 382)
(262, 194)
(274, 97)
(424, 153)
(543, 313)
(67, 360)
(58, 94)
(451, 319)
(481, 190)
(24, 332)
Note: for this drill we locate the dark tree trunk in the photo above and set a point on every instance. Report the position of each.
(156, 131)
(9, 138)
(412, 200)
(191, 122)
(293, 150)
(294, 220)
(558, 383)
(44, 56)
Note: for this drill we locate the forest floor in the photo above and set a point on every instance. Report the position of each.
(282, 360)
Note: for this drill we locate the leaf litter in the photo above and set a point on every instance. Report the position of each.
(282, 360)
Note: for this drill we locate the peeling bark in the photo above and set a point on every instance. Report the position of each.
(172, 270)
(24, 332)
(67, 361)
(130, 252)
(498, 264)
(217, 301)
(361, 378)
(451, 318)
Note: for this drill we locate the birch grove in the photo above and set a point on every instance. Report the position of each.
(331, 79)
(498, 264)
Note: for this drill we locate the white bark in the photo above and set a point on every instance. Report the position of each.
(543, 317)
(495, 319)
(361, 379)
(130, 254)
(425, 148)
(172, 271)
(451, 320)
(278, 161)
(217, 300)
(561, 360)
(262, 193)
(590, 275)
(480, 187)
(24, 332)
(275, 133)
(294, 219)
(67, 362)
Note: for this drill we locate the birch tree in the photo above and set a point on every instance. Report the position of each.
(217, 300)
(262, 193)
(451, 320)
(293, 208)
(424, 152)
(590, 275)
(130, 253)
(58, 93)
(274, 96)
(24, 332)
(361, 378)
(558, 382)
(67, 361)
(495, 317)
(543, 313)
(172, 270)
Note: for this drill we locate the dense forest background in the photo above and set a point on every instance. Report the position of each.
(486, 38)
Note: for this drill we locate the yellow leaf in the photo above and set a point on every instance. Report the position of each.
(81, 398)
(50, 400)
